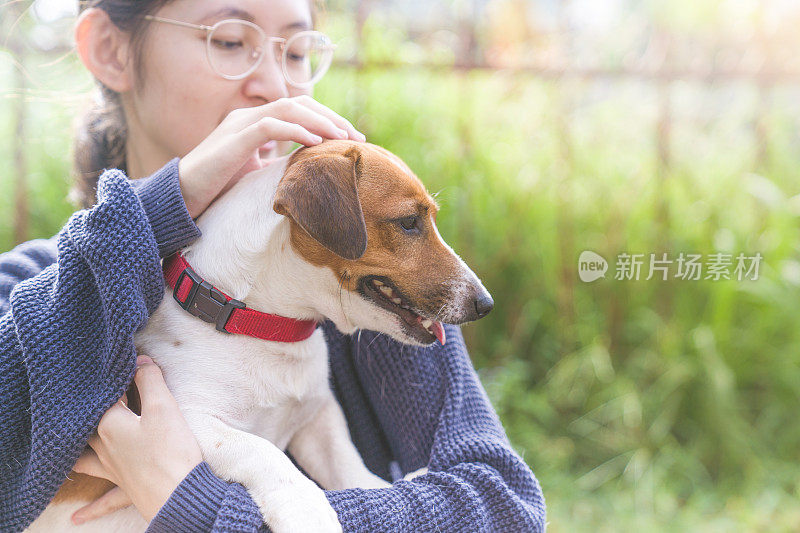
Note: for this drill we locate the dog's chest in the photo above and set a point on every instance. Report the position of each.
(269, 389)
(278, 395)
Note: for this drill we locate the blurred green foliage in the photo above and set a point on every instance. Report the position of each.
(640, 396)
(663, 405)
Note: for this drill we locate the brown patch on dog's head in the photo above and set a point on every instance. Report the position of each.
(359, 210)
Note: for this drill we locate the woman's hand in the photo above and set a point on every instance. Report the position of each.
(146, 456)
(231, 150)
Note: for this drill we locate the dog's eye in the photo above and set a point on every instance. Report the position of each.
(410, 224)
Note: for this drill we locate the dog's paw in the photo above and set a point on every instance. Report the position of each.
(411, 475)
(371, 481)
(299, 509)
(357, 478)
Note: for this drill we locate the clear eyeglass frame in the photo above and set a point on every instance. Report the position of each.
(283, 44)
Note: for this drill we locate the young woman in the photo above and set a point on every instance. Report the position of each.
(194, 95)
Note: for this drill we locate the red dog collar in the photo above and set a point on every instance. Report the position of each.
(210, 304)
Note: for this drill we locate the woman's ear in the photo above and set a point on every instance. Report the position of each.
(104, 49)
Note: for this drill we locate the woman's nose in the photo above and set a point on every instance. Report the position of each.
(267, 81)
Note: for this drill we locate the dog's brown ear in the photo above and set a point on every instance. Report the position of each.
(320, 193)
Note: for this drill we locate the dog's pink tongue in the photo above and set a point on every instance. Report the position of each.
(438, 330)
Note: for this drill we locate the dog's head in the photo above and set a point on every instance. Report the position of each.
(359, 210)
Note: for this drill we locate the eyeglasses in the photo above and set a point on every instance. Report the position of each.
(235, 49)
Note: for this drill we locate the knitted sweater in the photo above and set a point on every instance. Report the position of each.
(69, 307)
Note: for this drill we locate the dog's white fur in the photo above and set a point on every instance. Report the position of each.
(245, 399)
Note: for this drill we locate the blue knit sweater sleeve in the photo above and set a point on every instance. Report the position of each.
(161, 200)
(433, 412)
(70, 308)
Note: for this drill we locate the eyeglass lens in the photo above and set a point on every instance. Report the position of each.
(234, 49)
(306, 57)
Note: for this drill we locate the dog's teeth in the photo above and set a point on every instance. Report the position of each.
(397, 300)
(427, 323)
(378, 283)
(386, 290)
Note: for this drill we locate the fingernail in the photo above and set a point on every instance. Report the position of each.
(316, 139)
(77, 520)
(361, 137)
(143, 360)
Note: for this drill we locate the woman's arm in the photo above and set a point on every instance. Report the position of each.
(23, 262)
(66, 335)
(160, 196)
(433, 411)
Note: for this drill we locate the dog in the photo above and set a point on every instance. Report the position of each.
(342, 231)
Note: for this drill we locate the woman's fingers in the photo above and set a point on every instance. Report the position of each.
(153, 391)
(88, 463)
(311, 119)
(303, 111)
(337, 119)
(118, 417)
(148, 455)
(113, 500)
(269, 128)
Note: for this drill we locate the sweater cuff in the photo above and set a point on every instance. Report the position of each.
(160, 196)
(193, 505)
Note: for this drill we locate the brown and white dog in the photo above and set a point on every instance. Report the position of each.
(343, 231)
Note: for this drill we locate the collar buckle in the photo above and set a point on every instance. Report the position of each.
(204, 301)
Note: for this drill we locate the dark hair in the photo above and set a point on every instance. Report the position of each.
(102, 131)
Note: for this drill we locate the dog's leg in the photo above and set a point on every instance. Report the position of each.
(324, 449)
(289, 501)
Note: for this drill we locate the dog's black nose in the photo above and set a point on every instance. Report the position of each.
(483, 304)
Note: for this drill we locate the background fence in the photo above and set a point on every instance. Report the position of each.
(548, 128)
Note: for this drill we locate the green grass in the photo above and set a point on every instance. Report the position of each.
(649, 405)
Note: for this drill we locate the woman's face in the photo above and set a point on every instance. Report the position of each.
(179, 99)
